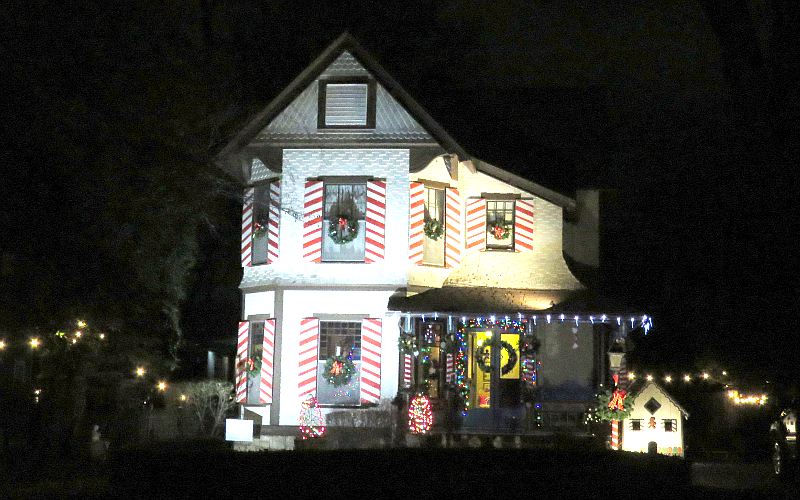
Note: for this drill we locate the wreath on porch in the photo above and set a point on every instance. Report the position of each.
(500, 231)
(339, 370)
(342, 229)
(483, 357)
(433, 229)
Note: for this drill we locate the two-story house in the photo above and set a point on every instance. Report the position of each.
(379, 255)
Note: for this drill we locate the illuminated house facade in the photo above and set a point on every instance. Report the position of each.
(380, 257)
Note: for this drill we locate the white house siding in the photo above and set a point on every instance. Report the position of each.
(259, 303)
(299, 304)
(669, 443)
(543, 268)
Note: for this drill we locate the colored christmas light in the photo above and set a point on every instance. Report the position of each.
(420, 415)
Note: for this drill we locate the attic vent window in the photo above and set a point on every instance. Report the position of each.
(652, 406)
(346, 104)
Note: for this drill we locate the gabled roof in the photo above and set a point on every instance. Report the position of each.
(346, 42)
(639, 386)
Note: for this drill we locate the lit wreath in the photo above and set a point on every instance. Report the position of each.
(481, 357)
(342, 229)
(433, 229)
(339, 370)
(500, 231)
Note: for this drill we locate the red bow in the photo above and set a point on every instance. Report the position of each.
(336, 368)
(498, 231)
(617, 400)
(342, 222)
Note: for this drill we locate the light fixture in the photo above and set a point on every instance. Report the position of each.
(2, 344)
(140, 371)
(668, 379)
(705, 376)
(649, 378)
(687, 378)
(631, 376)
(161, 386)
(34, 343)
(81, 323)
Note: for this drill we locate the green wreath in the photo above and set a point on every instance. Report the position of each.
(339, 370)
(433, 229)
(259, 230)
(342, 229)
(252, 365)
(481, 357)
(500, 231)
(604, 414)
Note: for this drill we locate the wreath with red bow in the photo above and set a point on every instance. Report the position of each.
(500, 231)
(339, 370)
(342, 229)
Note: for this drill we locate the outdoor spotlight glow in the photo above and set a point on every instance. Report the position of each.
(724, 372)
(649, 378)
(687, 378)
(2, 344)
(37, 391)
(705, 376)
(668, 379)
(102, 336)
(140, 371)
(34, 343)
(161, 386)
(183, 397)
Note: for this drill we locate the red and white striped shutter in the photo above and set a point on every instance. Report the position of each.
(453, 240)
(267, 360)
(376, 221)
(247, 227)
(273, 242)
(371, 331)
(476, 225)
(312, 225)
(416, 218)
(242, 346)
(307, 367)
(407, 367)
(523, 225)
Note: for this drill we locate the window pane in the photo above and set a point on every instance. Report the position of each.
(500, 224)
(260, 224)
(255, 348)
(343, 225)
(433, 249)
(346, 104)
(339, 338)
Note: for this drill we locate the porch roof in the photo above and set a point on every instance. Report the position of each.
(510, 301)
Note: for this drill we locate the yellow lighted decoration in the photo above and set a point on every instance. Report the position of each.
(102, 336)
(631, 376)
(78, 333)
(34, 343)
(649, 378)
(705, 376)
(687, 378)
(81, 323)
(140, 371)
(2, 344)
(513, 341)
(161, 386)
(183, 397)
(668, 379)
(747, 399)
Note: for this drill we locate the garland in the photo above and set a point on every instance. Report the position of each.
(481, 357)
(500, 231)
(433, 229)
(342, 229)
(407, 343)
(339, 370)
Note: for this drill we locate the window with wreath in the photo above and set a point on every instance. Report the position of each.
(339, 363)
(344, 224)
(500, 224)
(260, 224)
(253, 366)
(433, 243)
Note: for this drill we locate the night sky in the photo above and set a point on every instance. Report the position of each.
(690, 110)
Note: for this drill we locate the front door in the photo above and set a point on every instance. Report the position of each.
(494, 375)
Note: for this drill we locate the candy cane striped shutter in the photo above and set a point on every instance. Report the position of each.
(615, 434)
(453, 240)
(376, 220)
(267, 359)
(371, 330)
(476, 225)
(307, 368)
(273, 242)
(416, 221)
(523, 225)
(247, 227)
(407, 367)
(242, 345)
(312, 221)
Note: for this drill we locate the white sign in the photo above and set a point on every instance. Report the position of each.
(238, 430)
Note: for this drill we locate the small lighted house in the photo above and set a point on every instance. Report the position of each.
(655, 423)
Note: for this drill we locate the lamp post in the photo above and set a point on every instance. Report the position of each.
(616, 356)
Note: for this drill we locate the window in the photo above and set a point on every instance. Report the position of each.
(670, 425)
(260, 224)
(255, 347)
(636, 424)
(500, 224)
(433, 246)
(339, 338)
(343, 225)
(348, 103)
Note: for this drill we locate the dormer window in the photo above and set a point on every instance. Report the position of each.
(346, 103)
